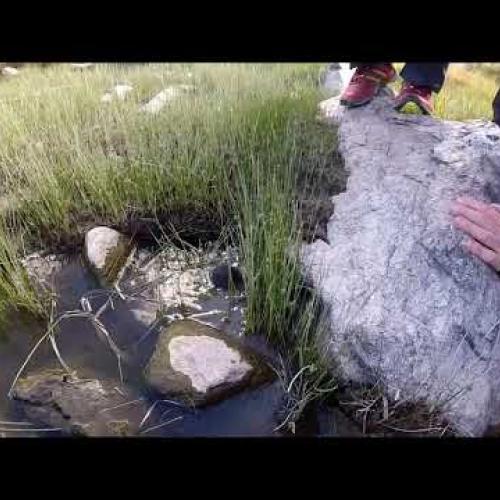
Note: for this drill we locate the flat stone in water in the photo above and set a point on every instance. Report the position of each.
(208, 362)
(75, 406)
(201, 365)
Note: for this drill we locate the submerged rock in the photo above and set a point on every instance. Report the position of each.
(78, 406)
(158, 102)
(408, 306)
(183, 289)
(107, 252)
(201, 365)
(42, 269)
(172, 282)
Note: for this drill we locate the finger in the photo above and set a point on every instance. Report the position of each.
(477, 232)
(485, 254)
(464, 201)
(488, 218)
(471, 202)
(493, 213)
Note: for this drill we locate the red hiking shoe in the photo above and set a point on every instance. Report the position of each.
(421, 96)
(366, 83)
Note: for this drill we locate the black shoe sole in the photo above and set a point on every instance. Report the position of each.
(349, 104)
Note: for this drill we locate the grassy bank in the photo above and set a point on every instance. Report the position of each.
(208, 159)
(241, 155)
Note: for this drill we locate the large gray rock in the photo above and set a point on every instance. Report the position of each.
(86, 407)
(408, 305)
(201, 365)
(107, 252)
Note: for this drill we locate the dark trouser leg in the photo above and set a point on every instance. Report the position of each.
(359, 64)
(496, 108)
(425, 74)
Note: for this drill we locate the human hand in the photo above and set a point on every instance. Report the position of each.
(481, 222)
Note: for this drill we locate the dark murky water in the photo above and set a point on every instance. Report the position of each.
(249, 413)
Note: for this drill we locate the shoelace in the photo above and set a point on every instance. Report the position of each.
(360, 76)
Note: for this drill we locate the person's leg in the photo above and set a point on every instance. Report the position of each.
(366, 82)
(355, 65)
(420, 81)
(429, 75)
(496, 108)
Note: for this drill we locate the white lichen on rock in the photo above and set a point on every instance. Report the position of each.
(208, 362)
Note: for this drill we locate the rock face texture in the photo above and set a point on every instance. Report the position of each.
(408, 306)
(201, 365)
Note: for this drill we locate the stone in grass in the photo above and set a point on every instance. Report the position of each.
(119, 92)
(200, 365)
(9, 71)
(107, 252)
(162, 98)
(81, 66)
(83, 407)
